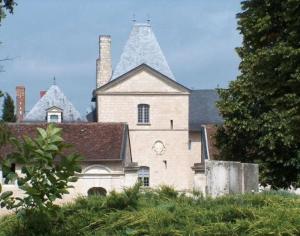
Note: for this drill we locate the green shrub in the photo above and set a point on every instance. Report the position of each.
(128, 198)
(153, 213)
(167, 191)
(42, 179)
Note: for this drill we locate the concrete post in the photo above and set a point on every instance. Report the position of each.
(199, 178)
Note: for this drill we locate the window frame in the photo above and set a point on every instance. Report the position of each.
(143, 113)
(144, 176)
(51, 118)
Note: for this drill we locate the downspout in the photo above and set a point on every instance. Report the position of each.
(206, 143)
(1, 174)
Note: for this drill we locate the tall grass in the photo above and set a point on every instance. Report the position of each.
(165, 212)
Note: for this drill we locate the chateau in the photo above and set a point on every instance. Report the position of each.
(164, 126)
(145, 126)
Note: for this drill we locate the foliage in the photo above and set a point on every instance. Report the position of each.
(126, 199)
(253, 214)
(4, 135)
(167, 191)
(46, 172)
(6, 6)
(261, 108)
(8, 110)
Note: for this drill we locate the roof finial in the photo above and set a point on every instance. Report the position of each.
(133, 18)
(54, 80)
(148, 18)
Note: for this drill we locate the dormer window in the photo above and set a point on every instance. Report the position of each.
(54, 115)
(53, 118)
(143, 114)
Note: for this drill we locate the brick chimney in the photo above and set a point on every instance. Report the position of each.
(103, 63)
(20, 100)
(42, 93)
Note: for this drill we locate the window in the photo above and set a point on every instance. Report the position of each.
(171, 124)
(97, 191)
(143, 113)
(143, 176)
(54, 114)
(54, 118)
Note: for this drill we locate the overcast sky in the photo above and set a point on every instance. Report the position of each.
(60, 38)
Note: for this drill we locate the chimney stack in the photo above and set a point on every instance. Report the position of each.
(42, 93)
(20, 100)
(103, 63)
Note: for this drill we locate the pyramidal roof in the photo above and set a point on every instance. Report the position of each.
(53, 97)
(142, 47)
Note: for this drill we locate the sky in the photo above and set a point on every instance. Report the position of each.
(60, 38)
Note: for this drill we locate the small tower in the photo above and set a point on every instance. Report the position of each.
(103, 63)
(20, 100)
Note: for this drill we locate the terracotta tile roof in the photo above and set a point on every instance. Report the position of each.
(94, 141)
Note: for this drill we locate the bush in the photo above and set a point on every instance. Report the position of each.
(152, 213)
(42, 179)
(167, 191)
(128, 198)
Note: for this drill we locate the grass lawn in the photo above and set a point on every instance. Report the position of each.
(165, 212)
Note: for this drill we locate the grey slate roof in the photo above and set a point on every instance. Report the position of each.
(53, 97)
(202, 108)
(142, 47)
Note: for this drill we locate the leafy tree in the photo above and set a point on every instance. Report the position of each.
(46, 172)
(8, 111)
(261, 108)
(4, 134)
(6, 6)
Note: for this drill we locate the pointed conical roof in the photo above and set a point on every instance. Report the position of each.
(142, 47)
(53, 97)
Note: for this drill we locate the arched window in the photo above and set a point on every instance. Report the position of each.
(97, 191)
(143, 113)
(143, 176)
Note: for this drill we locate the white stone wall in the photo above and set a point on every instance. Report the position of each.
(229, 177)
(110, 176)
(144, 81)
(173, 165)
(163, 109)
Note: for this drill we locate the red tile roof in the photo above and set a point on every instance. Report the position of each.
(94, 141)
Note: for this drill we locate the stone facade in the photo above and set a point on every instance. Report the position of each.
(168, 125)
(107, 176)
